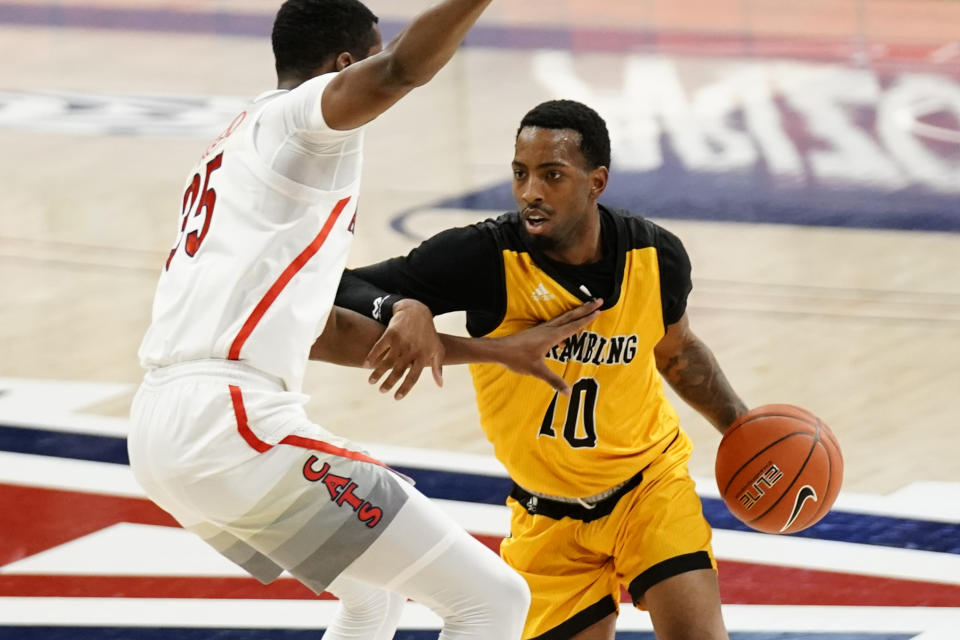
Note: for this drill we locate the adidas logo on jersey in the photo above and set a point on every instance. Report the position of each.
(541, 294)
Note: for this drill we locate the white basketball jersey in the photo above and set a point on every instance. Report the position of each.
(263, 235)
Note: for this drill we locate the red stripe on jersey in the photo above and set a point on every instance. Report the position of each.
(257, 314)
(295, 441)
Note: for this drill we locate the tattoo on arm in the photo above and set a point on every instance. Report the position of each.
(695, 375)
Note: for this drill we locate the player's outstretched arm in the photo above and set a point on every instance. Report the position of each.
(694, 373)
(364, 90)
(525, 352)
(399, 348)
(351, 339)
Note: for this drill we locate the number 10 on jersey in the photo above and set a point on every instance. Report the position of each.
(583, 396)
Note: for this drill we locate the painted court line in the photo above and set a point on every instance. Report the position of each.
(311, 614)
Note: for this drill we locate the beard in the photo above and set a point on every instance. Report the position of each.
(538, 242)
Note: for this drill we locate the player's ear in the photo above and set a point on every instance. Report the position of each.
(344, 60)
(598, 181)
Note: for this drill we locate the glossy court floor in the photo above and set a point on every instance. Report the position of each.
(807, 153)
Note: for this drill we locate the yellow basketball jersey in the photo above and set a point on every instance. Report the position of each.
(617, 420)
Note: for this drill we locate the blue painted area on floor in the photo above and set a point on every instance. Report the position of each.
(59, 444)
(674, 193)
(839, 526)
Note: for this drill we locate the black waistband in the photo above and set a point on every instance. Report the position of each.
(537, 506)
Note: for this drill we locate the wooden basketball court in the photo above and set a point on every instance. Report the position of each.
(807, 153)
(862, 326)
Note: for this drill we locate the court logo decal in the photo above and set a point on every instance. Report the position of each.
(106, 114)
(758, 141)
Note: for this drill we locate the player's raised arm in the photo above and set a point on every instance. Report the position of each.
(364, 90)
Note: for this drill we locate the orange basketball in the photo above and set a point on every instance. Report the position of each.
(779, 468)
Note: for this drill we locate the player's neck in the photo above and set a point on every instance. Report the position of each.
(288, 82)
(586, 248)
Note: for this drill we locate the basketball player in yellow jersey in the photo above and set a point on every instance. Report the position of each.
(602, 494)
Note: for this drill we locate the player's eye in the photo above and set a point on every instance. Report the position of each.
(519, 174)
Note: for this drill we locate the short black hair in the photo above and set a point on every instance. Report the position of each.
(569, 114)
(307, 33)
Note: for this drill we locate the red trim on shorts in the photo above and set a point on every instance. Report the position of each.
(241, 413)
(295, 441)
(257, 314)
(326, 447)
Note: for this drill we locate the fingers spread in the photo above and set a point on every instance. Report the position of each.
(381, 366)
(412, 376)
(437, 368)
(554, 380)
(561, 332)
(377, 351)
(582, 321)
(576, 313)
(399, 368)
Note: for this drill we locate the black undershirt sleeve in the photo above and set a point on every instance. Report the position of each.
(675, 281)
(455, 270)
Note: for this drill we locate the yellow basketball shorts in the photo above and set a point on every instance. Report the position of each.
(575, 569)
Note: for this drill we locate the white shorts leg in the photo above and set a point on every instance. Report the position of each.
(245, 469)
(241, 465)
(426, 556)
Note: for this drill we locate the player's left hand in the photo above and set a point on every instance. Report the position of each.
(409, 344)
(524, 351)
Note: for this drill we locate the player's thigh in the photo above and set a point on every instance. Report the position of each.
(425, 555)
(606, 629)
(566, 564)
(685, 606)
(664, 532)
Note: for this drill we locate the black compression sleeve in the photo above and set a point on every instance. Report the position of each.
(675, 281)
(366, 298)
(455, 270)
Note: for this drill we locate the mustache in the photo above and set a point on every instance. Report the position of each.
(534, 208)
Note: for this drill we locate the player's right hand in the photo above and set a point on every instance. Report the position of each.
(524, 351)
(409, 344)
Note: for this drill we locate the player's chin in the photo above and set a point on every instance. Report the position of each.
(538, 228)
(539, 236)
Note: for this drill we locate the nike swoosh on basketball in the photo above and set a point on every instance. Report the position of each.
(805, 493)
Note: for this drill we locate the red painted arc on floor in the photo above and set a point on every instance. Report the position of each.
(58, 516)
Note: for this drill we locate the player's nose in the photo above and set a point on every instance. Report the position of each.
(531, 193)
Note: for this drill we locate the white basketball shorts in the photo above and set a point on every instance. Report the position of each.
(234, 458)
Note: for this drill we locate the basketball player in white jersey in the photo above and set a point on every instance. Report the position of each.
(219, 437)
